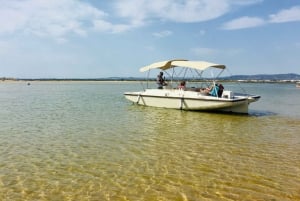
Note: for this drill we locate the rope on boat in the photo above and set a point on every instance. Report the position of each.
(239, 84)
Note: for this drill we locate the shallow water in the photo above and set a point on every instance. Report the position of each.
(85, 141)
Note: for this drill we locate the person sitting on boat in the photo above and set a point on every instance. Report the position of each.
(206, 90)
(160, 80)
(212, 90)
(182, 85)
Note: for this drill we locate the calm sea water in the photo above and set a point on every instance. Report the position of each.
(85, 141)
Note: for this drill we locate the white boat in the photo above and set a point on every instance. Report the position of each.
(190, 98)
(298, 84)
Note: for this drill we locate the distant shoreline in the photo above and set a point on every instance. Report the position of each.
(6, 80)
(259, 78)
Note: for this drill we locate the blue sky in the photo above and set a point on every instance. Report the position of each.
(97, 38)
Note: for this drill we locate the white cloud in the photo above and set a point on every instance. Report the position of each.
(60, 18)
(105, 26)
(140, 12)
(287, 15)
(134, 10)
(243, 22)
(6, 47)
(211, 52)
(163, 34)
(195, 11)
(55, 18)
(202, 32)
(297, 45)
(246, 2)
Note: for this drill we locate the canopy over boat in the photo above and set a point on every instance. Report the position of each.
(164, 65)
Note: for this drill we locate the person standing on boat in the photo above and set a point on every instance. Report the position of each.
(160, 80)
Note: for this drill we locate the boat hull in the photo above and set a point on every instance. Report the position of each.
(189, 100)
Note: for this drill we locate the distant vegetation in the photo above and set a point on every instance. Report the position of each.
(290, 77)
(272, 77)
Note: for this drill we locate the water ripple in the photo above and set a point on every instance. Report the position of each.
(78, 143)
